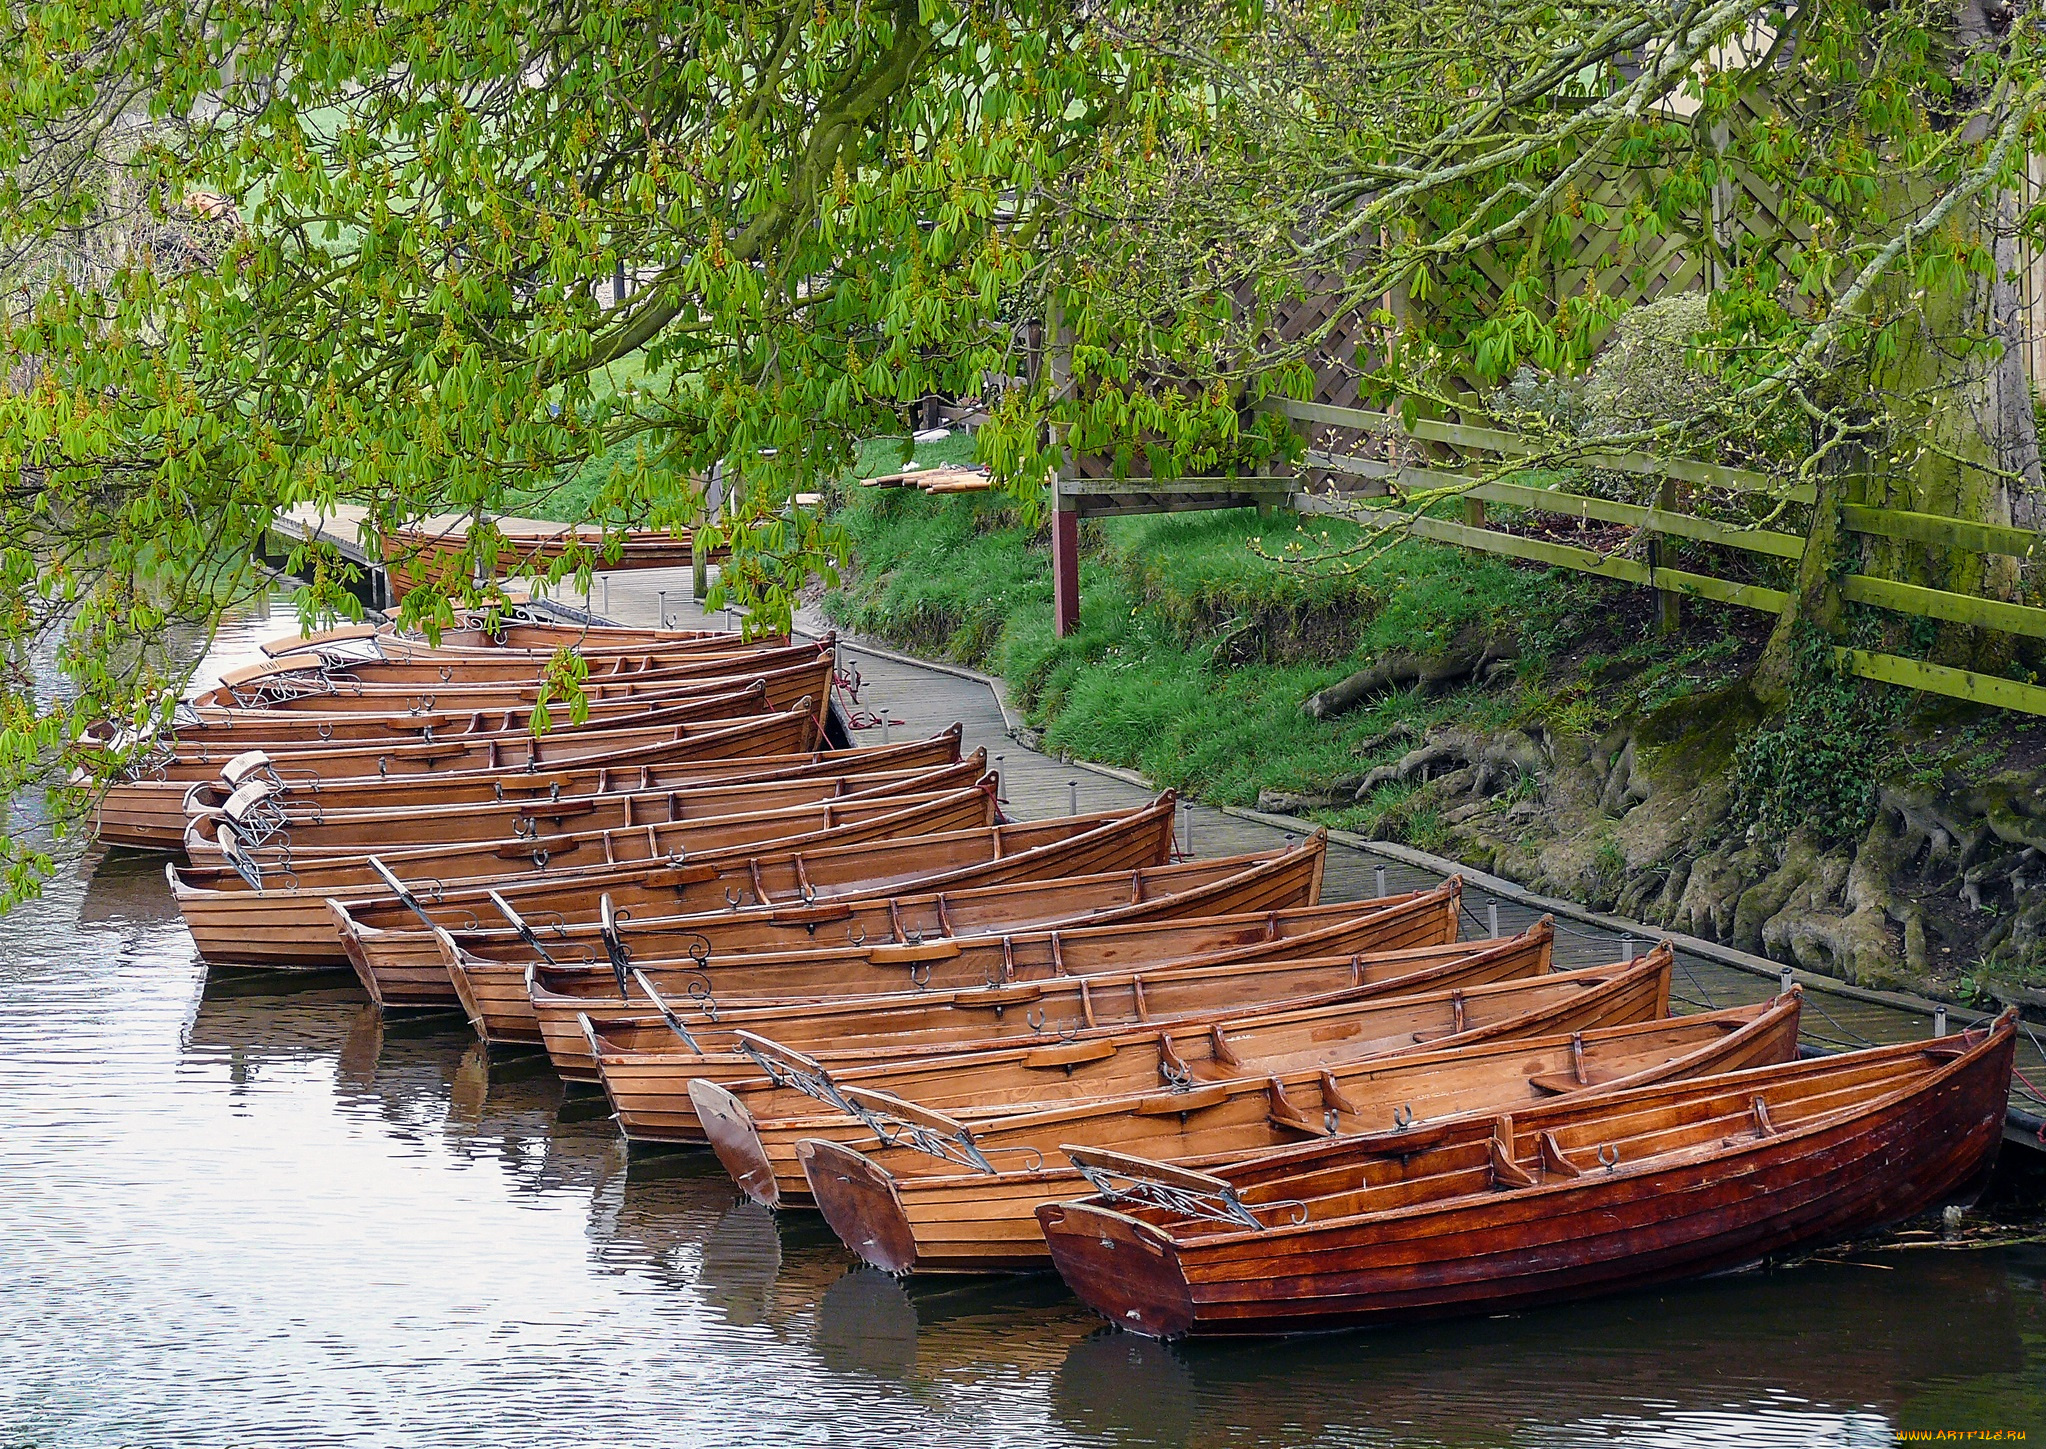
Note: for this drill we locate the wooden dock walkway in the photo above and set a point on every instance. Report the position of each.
(916, 699)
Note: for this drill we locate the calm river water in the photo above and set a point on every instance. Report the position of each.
(232, 1214)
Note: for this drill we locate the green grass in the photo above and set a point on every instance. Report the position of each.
(1193, 653)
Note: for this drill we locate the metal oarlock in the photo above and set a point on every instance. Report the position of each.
(1492, 918)
(1378, 875)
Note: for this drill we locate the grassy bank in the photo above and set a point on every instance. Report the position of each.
(1194, 653)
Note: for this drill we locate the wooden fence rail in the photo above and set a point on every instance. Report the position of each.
(1095, 497)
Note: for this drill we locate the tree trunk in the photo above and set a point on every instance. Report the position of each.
(1967, 442)
(1815, 599)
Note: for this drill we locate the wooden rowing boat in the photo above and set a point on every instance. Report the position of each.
(510, 1002)
(666, 765)
(948, 1197)
(1554, 1201)
(649, 1081)
(607, 839)
(238, 907)
(754, 1127)
(261, 817)
(611, 692)
(401, 965)
(145, 805)
(808, 885)
(510, 636)
(389, 686)
(433, 548)
(214, 730)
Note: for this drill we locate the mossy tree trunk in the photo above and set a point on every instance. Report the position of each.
(1963, 443)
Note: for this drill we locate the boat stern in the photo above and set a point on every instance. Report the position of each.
(729, 1126)
(1123, 1269)
(858, 1199)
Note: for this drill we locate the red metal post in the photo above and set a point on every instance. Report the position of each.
(1065, 564)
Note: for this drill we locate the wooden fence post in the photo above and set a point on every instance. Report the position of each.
(1065, 561)
(1671, 616)
(1065, 512)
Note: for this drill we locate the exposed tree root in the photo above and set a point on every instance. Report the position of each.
(1472, 655)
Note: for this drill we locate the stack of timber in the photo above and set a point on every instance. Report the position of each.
(1214, 1102)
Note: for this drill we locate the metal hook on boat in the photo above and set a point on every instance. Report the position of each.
(698, 949)
(703, 994)
(1608, 1155)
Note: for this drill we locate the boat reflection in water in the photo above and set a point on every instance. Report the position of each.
(1828, 1353)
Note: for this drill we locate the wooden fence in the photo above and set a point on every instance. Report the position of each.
(1461, 453)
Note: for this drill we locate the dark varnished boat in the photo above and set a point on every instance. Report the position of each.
(505, 1002)
(145, 805)
(1553, 1201)
(945, 1196)
(402, 965)
(754, 1127)
(650, 1088)
(239, 907)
